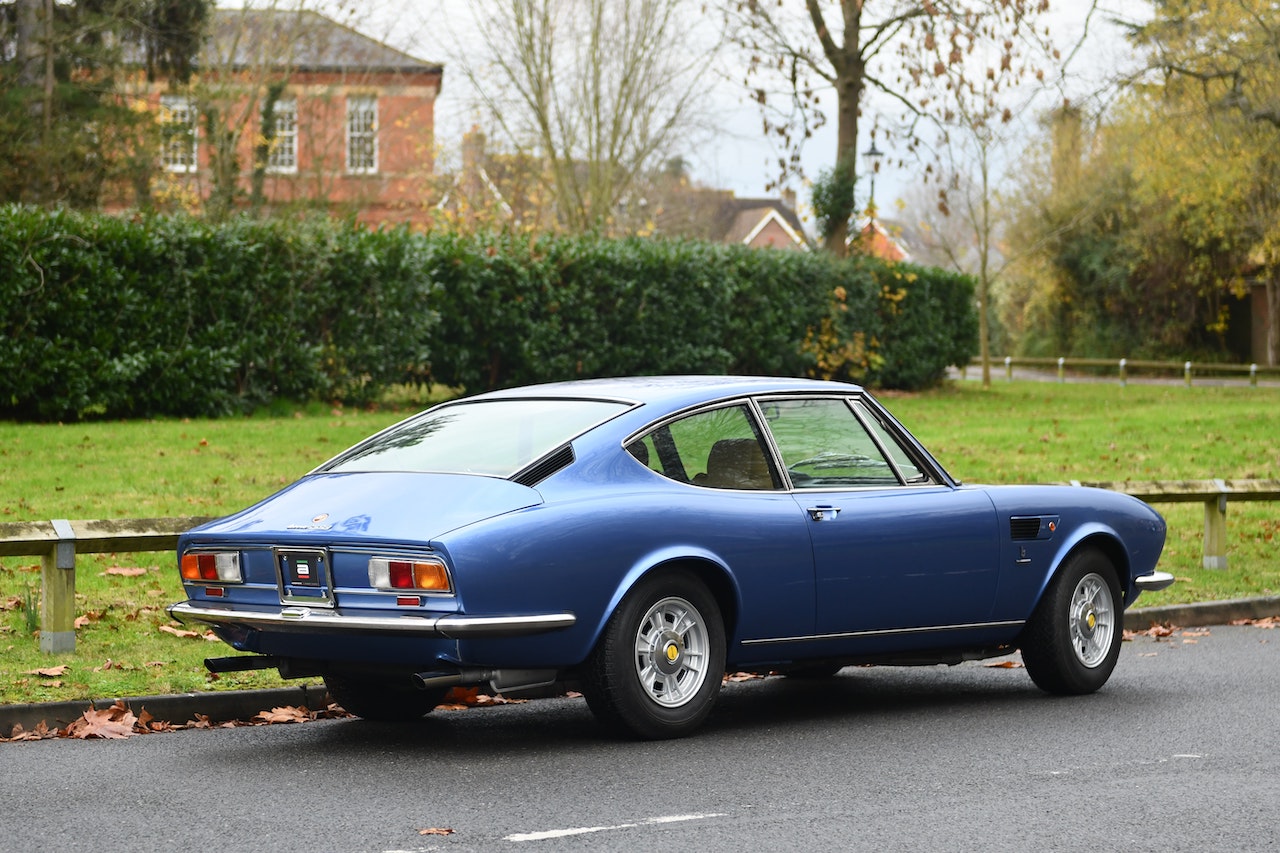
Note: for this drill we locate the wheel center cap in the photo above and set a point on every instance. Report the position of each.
(1088, 620)
(669, 653)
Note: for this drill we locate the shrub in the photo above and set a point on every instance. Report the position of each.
(170, 315)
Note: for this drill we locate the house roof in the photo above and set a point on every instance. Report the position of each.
(740, 219)
(305, 41)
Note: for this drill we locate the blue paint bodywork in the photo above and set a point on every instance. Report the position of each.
(905, 573)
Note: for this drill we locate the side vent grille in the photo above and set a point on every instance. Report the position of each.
(1024, 527)
(545, 467)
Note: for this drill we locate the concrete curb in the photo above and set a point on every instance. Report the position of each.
(220, 706)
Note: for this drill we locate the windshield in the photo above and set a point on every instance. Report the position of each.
(492, 437)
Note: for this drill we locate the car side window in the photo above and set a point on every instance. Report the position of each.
(717, 449)
(824, 445)
(911, 471)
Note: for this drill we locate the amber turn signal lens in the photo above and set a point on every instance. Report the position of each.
(426, 575)
(211, 567)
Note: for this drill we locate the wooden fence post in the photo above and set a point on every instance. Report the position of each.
(1215, 529)
(58, 592)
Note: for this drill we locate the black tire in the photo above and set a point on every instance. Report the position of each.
(658, 667)
(1072, 641)
(384, 698)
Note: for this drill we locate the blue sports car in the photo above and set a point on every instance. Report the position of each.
(640, 536)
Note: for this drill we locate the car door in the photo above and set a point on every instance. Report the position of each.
(895, 548)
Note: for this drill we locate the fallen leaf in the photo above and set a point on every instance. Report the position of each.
(125, 571)
(110, 723)
(1155, 631)
(435, 830)
(1204, 633)
(287, 714)
(50, 671)
(13, 602)
(179, 632)
(1266, 622)
(40, 732)
(741, 676)
(1004, 664)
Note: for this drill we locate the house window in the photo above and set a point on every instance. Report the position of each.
(362, 134)
(178, 133)
(283, 157)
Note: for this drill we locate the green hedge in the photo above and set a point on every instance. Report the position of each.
(105, 316)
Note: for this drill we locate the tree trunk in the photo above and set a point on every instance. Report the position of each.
(849, 93)
(27, 42)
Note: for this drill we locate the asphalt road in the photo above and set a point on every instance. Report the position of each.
(1178, 752)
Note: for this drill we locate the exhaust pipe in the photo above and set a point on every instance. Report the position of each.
(430, 680)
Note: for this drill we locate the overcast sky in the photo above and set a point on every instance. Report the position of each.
(737, 157)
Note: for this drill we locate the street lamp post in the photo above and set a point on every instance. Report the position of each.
(873, 156)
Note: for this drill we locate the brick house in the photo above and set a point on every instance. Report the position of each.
(352, 120)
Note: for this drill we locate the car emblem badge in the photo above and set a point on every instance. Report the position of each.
(319, 518)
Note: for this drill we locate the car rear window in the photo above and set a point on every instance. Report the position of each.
(496, 438)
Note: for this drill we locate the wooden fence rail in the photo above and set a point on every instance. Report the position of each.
(1123, 366)
(57, 542)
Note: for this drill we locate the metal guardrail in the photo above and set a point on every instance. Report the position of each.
(1188, 369)
(58, 542)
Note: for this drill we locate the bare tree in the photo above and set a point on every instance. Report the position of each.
(917, 53)
(598, 90)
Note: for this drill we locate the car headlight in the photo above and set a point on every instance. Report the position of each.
(426, 575)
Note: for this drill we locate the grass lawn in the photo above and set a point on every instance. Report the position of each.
(1015, 433)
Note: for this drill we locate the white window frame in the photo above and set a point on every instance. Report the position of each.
(176, 153)
(282, 159)
(362, 134)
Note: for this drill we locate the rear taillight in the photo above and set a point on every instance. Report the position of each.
(427, 575)
(212, 567)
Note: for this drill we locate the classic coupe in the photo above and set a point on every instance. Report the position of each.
(639, 537)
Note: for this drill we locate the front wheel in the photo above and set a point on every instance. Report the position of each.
(657, 669)
(1072, 641)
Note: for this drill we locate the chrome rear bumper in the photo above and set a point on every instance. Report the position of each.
(310, 621)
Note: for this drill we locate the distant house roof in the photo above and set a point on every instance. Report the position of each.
(877, 240)
(744, 219)
(303, 41)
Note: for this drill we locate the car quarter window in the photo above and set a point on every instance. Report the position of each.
(717, 449)
(824, 445)
(910, 470)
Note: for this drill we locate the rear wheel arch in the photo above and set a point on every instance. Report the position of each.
(715, 577)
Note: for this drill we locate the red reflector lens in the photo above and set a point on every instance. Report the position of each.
(214, 591)
(408, 601)
(401, 574)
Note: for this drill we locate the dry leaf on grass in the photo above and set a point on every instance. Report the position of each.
(124, 571)
(49, 671)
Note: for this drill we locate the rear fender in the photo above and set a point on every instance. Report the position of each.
(697, 561)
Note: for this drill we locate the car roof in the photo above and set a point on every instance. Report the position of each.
(670, 391)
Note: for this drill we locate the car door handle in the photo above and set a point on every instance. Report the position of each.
(822, 513)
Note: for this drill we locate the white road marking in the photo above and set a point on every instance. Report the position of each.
(586, 830)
